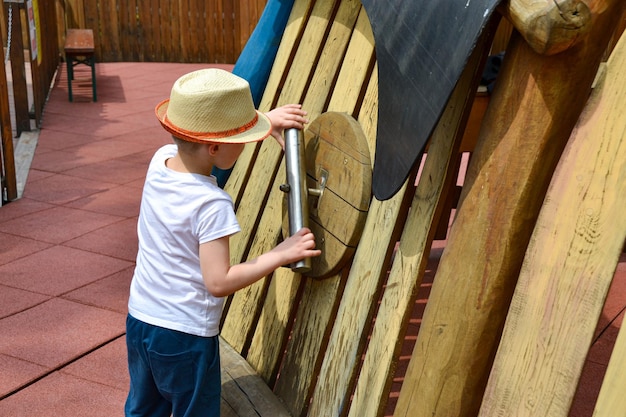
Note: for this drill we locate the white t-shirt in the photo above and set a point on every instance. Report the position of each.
(179, 211)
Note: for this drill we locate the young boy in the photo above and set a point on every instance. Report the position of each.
(183, 264)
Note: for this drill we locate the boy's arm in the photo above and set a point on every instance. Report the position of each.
(222, 279)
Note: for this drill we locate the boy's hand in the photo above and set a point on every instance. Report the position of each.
(286, 117)
(297, 247)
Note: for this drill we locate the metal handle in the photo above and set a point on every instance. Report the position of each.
(296, 189)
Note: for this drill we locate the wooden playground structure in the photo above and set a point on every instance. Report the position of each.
(529, 257)
(537, 231)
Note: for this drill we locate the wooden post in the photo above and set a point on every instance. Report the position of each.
(569, 266)
(18, 69)
(8, 182)
(535, 105)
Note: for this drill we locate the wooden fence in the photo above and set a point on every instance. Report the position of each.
(213, 31)
(39, 53)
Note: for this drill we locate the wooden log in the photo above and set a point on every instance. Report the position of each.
(549, 26)
(244, 393)
(536, 103)
(569, 265)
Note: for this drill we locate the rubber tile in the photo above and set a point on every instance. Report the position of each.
(106, 366)
(15, 247)
(54, 140)
(138, 184)
(118, 240)
(62, 395)
(117, 171)
(61, 189)
(117, 201)
(58, 270)
(63, 160)
(113, 148)
(36, 175)
(153, 135)
(14, 300)
(110, 293)
(58, 224)
(17, 373)
(21, 207)
(58, 331)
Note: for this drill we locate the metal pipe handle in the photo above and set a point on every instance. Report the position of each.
(297, 191)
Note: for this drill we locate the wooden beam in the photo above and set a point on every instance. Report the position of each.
(568, 267)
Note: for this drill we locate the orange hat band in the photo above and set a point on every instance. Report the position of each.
(215, 135)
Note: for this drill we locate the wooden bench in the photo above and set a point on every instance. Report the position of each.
(79, 49)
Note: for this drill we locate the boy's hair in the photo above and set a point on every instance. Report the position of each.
(185, 146)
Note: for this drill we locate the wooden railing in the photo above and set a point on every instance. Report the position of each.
(40, 54)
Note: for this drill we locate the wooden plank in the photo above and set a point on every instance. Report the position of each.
(307, 343)
(274, 324)
(229, 32)
(106, 12)
(410, 260)
(560, 292)
(195, 25)
(320, 299)
(18, 72)
(293, 32)
(243, 390)
(339, 364)
(183, 44)
(146, 32)
(219, 30)
(211, 16)
(155, 31)
(166, 28)
(535, 97)
(245, 304)
(237, 327)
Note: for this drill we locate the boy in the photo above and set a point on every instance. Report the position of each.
(183, 264)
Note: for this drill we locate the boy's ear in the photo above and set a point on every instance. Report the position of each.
(213, 148)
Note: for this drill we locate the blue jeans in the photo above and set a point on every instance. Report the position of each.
(171, 373)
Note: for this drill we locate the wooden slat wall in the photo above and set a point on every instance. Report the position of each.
(314, 342)
(212, 31)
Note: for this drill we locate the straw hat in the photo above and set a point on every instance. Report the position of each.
(213, 106)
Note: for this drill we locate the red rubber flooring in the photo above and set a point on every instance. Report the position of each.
(67, 251)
